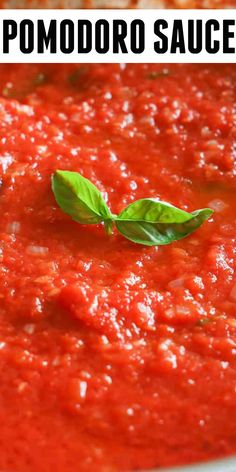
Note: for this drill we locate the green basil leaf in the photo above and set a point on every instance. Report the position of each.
(79, 198)
(153, 223)
(160, 73)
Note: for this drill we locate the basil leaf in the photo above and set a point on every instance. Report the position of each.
(160, 73)
(153, 223)
(79, 198)
(77, 74)
(147, 221)
(40, 79)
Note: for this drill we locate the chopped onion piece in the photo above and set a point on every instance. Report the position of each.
(218, 205)
(29, 328)
(182, 310)
(37, 250)
(176, 283)
(13, 227)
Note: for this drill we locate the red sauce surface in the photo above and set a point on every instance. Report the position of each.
(179, 4)
(114, 356)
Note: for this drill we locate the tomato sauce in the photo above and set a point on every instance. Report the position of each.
(116, 356)
(180, 4)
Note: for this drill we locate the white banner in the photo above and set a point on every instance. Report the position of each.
(152, 36)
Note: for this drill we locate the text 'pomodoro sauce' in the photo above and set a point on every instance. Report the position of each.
(115, 356)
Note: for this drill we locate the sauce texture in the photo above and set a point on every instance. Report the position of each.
(88, 4)
(114, 356)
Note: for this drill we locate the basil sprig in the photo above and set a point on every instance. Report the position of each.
(148, 221)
